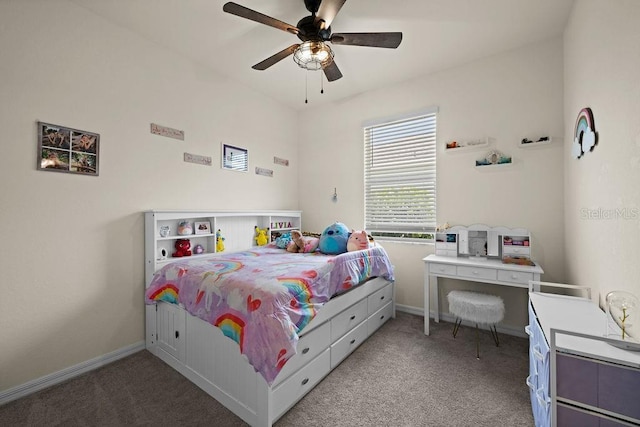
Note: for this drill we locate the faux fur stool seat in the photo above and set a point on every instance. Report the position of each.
(477, 308)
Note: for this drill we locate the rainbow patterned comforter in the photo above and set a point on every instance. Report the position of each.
(264, 297)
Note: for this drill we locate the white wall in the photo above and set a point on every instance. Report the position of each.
(602, 65)
(506, 97)
(72, 253)
(71, 259)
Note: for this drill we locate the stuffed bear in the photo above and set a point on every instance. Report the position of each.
(297, 242)
(358, 240)
(183, 248)
(300, 243)
(261, 236)
(333, 240)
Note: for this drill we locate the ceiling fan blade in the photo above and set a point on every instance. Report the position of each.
(244, 12)
(388, 40)
(275, 58)
(328, 11)
(332, 71)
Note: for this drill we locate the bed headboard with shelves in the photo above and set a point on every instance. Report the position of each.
(237, 228)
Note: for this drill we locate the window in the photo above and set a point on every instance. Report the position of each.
(400, 178)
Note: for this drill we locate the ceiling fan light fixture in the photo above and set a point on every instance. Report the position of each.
(313, 55)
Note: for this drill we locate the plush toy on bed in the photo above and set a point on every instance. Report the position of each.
(283, 240)
(358, 240)
(219, 241)
(333, 240)
(183, 248)
(261, 236)
(302, 244)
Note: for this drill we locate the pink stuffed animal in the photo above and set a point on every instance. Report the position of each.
(358, 240)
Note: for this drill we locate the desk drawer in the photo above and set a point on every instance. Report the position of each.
(477, 272)
(435, 268)
(514, 276)
(516, 250)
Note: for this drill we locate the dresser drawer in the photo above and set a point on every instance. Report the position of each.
(598, 384)
(477, 272)
(290, 391)
(348, 319)
(377, 319)
(435, 268)
(309, 346)
(514, 276)
(380, 298)
(345, 345)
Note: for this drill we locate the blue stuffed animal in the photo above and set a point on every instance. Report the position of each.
(283, 241)
(333, 240)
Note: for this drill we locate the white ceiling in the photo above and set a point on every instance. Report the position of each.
(437, 35)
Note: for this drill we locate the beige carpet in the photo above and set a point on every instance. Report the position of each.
(399, 377)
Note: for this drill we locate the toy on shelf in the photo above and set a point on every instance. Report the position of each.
(261, 236)
(183, 248)
(219, 241)
(198, 249)
(164, 230)
(184, 228)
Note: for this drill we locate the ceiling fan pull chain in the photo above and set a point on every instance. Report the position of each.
(306, 83)
(321, 83)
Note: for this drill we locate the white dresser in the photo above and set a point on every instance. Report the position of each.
(575, 377)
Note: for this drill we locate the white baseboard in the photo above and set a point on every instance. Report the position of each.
(505, 329)
(409, 309)
(68, 373)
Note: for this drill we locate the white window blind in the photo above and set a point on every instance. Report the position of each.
(400, 177)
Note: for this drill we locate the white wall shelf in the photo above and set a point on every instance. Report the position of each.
(533, 144)
(496, 167)
(469, 145)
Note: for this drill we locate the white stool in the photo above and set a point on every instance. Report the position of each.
(477, 308)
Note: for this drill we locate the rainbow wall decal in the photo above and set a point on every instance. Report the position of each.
(233, 327)
(585, 136)
(168, 293)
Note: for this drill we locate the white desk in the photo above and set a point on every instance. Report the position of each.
(473, 269)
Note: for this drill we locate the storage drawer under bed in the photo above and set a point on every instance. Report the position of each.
(348, 319)
(309, 346)
(295, 387)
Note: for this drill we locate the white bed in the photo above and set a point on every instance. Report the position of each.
(208, 358)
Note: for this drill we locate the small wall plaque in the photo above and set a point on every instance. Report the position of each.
(264, 172)
(199, 160)
(279, 161)
(166, 131)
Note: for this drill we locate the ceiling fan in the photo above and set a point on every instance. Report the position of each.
(314, 31)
